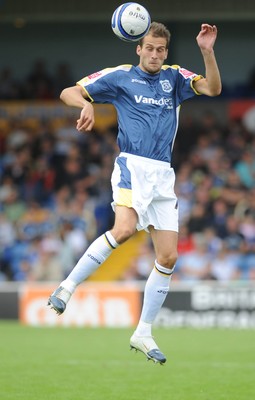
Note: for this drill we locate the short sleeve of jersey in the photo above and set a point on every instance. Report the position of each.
(184, 83)
(102, 86)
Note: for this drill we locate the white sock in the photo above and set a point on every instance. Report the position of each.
(93, 257)
(156, 290)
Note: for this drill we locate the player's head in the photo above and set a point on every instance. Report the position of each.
(158, 30)
(153, 48)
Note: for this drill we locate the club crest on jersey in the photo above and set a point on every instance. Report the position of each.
(166, 86)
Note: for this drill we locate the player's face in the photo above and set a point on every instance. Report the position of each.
(152, 53)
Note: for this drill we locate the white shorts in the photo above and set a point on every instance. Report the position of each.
(146, 185)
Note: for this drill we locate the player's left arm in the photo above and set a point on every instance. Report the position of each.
(211, 84)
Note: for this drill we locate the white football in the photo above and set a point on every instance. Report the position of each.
(130, 22)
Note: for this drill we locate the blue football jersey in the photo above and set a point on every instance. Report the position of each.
(147, 105)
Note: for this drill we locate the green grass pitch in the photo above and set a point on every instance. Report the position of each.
(94, 364)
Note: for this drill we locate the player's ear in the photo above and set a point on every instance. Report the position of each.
(138, 50)
(166, 54)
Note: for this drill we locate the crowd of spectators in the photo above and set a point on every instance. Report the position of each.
(55, 193)
(40, 83)
(55, 196)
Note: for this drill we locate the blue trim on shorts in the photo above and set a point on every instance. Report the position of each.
(125, 176)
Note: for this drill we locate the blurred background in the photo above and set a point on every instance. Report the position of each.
(55, 190)
(78, 33)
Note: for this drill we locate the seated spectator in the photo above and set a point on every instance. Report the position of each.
(198, 219)
(7, 231)
(218, 217)
(234, 238)
(233, 190)
(18, 258)
(185, 240)
(223, 267)
(245, 169)
(247, 228)
(62, 78)
(47, 266)
(9, 87)
(39, 83)
(195, 265)
(140, 267)
(13, 206)
(214, 243)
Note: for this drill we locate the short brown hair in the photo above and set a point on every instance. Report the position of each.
(158, 30)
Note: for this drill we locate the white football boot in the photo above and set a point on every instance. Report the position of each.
(147, 345)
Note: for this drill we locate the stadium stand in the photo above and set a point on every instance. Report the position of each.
(55, 189)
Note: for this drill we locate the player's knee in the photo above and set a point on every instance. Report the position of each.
(124, 233)
(168, 260)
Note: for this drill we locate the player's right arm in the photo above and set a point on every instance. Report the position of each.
(76, 96)
(99, 87)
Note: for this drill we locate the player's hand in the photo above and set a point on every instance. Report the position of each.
(206, 37)
(87, 119)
